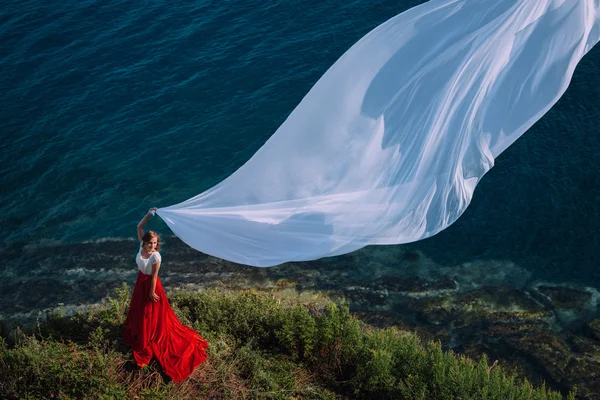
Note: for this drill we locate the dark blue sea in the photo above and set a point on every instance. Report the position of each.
(109, 107)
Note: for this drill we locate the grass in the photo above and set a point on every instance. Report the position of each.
(261, 348)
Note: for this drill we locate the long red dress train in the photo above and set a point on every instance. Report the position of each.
(153, 329)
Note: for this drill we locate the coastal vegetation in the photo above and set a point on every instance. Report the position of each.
(262, 346)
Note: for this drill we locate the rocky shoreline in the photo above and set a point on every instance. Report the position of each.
(541, 330)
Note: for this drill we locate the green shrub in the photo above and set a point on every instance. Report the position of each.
(260, 348)
(109, 317)
(296, 333)
(242, 317)
(348, 357)
(44, 369)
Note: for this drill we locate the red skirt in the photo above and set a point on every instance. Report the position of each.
(152, 329)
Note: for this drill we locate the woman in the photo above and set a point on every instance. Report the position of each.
(151, 327)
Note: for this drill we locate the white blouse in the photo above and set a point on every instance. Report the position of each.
(145, 264)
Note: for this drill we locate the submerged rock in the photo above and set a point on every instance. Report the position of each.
(546, 350)
(595, 327)
(565, 298)
(416, 286)
(583, 345)
(568, 368)
(480, 307)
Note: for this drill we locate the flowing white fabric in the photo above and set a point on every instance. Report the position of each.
(388, 146)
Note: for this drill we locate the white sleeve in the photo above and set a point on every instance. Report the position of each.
(156, 258)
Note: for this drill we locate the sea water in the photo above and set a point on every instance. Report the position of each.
(110, 107)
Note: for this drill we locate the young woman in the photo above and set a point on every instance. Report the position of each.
(151, 327)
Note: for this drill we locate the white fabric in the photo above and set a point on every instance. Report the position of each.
(145, 264)
(389, 144)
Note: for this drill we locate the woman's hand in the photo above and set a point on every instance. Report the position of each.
(154, 297)
(151, 211)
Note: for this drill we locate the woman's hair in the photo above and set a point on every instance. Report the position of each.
(148, 236)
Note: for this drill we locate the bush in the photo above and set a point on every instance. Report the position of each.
(260, 348)
(44, 369)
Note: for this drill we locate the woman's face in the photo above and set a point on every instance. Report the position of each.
(151, 245)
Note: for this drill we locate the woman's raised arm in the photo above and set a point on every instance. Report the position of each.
(140, 226)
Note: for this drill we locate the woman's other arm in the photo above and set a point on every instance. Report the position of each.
(153, 296)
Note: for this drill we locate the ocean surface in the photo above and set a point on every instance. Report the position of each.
(110, 107)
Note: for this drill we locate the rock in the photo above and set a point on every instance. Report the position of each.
(366, 294)
(499, 331)
(418, 287)
(582, 345)
(549, 353)
(569, 360)
(565, 298)
(584, 372)
(378, 292)
(411, 256)
(477, 274)
(478, 307)
(594, 325)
